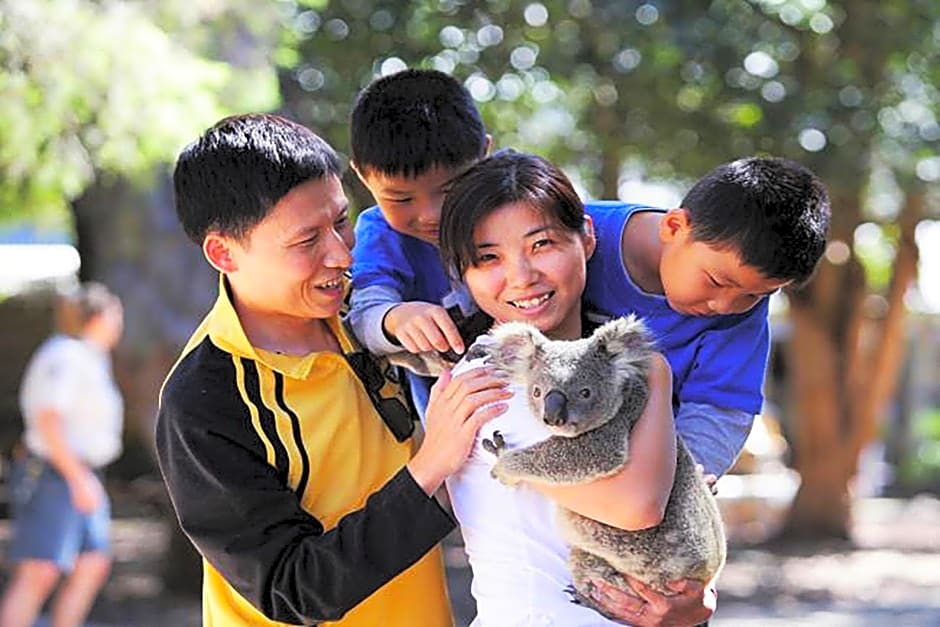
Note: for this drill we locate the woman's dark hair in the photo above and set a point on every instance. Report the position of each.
(506, 178)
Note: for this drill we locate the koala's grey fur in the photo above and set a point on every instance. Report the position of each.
(603, 383)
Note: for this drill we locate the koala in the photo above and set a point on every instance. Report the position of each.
(590, 393)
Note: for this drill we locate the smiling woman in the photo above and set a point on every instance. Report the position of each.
(513, 228)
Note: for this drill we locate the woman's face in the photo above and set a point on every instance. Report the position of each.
(529, 269)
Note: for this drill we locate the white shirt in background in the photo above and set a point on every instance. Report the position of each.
(74, 378)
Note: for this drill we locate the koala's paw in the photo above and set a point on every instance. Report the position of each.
(577, 598)
(496, 446)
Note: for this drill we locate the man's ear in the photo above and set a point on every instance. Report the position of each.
(218, 252)
(674, 225)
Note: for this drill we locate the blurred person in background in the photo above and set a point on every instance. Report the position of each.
(73, 417)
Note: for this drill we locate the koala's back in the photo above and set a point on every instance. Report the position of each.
(688, 544)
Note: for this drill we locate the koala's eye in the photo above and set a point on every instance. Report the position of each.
(584, 393)
(536, 392)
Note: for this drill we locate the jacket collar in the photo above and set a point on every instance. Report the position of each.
(226, 331)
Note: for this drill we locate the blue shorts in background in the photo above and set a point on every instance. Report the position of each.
(46, 526)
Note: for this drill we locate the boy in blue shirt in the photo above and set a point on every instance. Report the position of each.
(699, 275)
(412, 132)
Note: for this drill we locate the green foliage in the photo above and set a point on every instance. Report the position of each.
(923, 467)
(875, 247)
(91, 87)
(681, 86)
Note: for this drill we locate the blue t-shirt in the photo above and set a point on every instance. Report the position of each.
(390, 268)
(716, 360)
(384, 257)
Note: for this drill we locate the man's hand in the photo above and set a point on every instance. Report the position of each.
(457, 408)
(690, 603)
(421, 327)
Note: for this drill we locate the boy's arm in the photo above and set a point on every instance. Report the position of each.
(635, 497)
(383, 280)
(723, 390)
(239, 513)
(382, 277)
(714, 435)
(368, 307)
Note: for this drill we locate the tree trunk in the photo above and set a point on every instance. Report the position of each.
(845, 362)
(821, 507)
(130, 240)
(610, 153)
(889, 347)
(821, 351)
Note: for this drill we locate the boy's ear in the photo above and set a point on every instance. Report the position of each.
(674, 225)
(218, 252)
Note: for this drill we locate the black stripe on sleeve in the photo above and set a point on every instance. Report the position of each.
(295, 431)
(265, 417)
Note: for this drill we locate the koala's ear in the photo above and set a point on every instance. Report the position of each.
(519, 344)
(627, 341)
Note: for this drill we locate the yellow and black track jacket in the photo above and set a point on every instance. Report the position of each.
(293, 489)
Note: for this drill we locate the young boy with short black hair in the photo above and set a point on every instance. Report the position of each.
(411, 133)
(700, 275)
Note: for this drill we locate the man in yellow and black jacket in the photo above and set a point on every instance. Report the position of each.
(283, 464)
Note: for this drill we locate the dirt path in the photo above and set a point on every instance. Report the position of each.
(889, 575)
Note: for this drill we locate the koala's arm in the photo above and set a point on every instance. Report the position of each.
(636, 496)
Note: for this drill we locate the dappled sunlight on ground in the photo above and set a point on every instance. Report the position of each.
(890, 573)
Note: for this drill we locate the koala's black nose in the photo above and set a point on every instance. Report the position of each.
(556, 408)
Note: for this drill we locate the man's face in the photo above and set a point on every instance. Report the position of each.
(705, 280)
(292, 262)
(412, 205)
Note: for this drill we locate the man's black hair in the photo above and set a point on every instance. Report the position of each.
(406, 123)
(232, 176)
(773, 212)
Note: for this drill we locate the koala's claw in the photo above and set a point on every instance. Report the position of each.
(571, 592)
(495, 446)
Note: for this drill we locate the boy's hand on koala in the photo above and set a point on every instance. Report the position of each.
(422, 327)
(690, 603)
